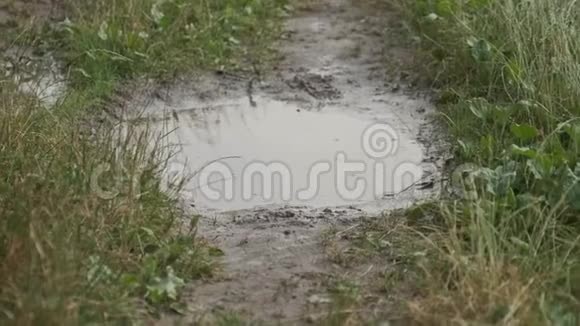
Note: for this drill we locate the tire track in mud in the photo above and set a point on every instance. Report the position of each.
(334, 55)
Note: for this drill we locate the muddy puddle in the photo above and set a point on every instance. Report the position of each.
(330, 135)
(243, 155)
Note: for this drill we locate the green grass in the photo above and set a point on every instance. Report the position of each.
(87, 234)
(106, 41)
(503, 249)
(69, 254)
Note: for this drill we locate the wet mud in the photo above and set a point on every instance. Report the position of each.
(332, 86)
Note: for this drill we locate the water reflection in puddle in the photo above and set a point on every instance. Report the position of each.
(279, 154)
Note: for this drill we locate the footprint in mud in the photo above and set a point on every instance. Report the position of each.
(317, 86)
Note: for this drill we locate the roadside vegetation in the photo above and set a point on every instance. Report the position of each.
(502, 246)
(71, 254)
(106, 41)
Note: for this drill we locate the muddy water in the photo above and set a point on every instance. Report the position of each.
(279, 153)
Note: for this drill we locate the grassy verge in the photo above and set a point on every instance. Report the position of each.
(106, 41)
(87, 234)
(71, 254)
(504, 248)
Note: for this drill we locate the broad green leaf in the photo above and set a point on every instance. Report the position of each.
(166, 288)
(476, 111)
(524, 131)
(130, 281)
(524, 151)
(480, 50)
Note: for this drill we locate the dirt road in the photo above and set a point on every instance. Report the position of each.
(336, 71)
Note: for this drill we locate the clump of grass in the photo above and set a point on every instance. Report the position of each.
(504, 248)
(491, 262)
(345, 299)
(72, 252)
(105, 41)
(507, 250)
